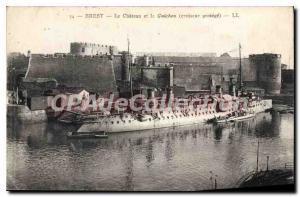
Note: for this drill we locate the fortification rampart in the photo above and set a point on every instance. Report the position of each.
(196, 77)
(181, 64)
(94, 73)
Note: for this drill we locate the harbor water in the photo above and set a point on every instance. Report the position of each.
(189, 158)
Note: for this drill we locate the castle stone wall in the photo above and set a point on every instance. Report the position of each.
(157, 77)
(94, 73)
(195, 73)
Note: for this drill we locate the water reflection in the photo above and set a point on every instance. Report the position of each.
(169, 150)
(170, 158)
(129, 168)
(39, 135)
(149, 151)
(269, 126)
(218, 133)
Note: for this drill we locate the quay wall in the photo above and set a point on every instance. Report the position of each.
(23, 114)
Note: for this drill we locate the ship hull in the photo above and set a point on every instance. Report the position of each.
(129, 122)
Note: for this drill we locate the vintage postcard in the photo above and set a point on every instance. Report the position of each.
(150, 98)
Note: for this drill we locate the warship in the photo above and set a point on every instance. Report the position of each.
(169, 112)
(197, 111)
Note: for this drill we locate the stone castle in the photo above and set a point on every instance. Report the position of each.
(103, 69)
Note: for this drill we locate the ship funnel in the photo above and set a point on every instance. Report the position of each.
(125, 75)
(232, 88)
(28, 53)
(146, 60)
(170, 95)
(150, 93)
(218, 89)
(233, 91)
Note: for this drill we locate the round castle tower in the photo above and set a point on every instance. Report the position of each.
(268, 71)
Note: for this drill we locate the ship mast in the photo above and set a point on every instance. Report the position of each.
(129, 66)
(241, 80)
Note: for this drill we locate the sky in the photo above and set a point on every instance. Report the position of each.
(212, 29)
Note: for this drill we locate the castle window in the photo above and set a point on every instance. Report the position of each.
(83, 50)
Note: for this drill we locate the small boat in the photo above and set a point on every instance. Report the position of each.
(77, 135)
(235, 118)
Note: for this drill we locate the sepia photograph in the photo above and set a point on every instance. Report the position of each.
(150, 99)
